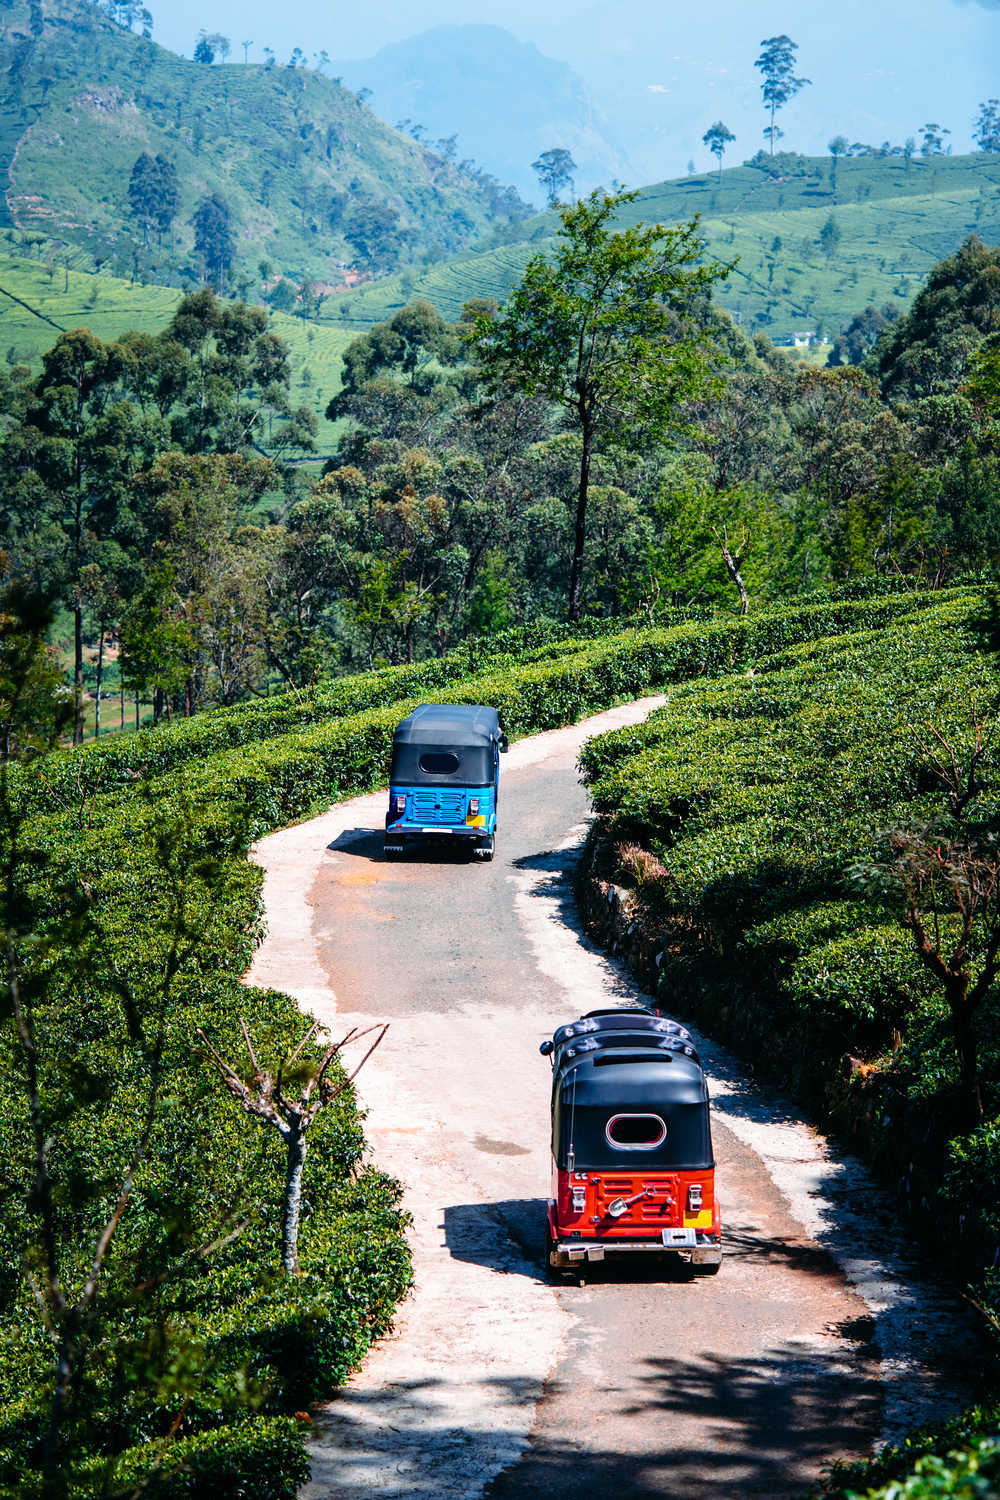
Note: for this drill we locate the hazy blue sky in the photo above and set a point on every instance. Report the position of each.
(342, 30)
(346, 31)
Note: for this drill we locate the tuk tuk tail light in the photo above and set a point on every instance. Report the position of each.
(694, 1198)
(579, 1199)
(399, 805)
(473, 807)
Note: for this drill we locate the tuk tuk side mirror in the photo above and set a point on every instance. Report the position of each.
(503, 746)
(546, 1048)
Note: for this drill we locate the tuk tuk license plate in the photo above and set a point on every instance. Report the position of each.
(674, 1237)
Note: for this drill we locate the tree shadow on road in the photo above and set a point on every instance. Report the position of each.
(558, 865)
(711, 1427)
(722, 1426)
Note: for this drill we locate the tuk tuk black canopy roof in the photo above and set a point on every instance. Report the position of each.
(603, 1024)
(446, 745)
(642, 1079)
(452, 724)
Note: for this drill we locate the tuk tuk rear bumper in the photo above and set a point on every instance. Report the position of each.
(397, 835)
(698, 1246)
(571, 1252)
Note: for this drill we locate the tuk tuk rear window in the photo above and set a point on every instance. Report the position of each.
(438, 762)
(636, 1132)
(442, 765)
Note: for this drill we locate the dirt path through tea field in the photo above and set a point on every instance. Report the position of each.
(819, 1337)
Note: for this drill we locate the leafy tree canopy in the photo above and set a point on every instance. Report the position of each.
(605, 331)
(717, 137)
(777, 66)
(927, 351)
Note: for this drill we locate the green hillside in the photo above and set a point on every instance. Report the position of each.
(60, 298)
(893, 220)
(316, 185)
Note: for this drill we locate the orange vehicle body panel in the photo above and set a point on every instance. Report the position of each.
(654, 1201)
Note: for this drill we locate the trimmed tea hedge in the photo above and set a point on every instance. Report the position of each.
(670, 653)
(959, 1460)
(107, 765)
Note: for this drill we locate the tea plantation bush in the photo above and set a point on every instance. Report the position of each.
(112, 763)
(959, 1460)
(766, 796)
(120, 762)
(220, 1348)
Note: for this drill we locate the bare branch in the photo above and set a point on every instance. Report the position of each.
(735, 560)
(290, 1116)
(961, 785)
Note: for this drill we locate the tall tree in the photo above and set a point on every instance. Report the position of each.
(554, 170)
(213, 238)
(829, 237)
(142, 192)
(932, 139)
(71, 460)
(605, 331)
(153, 193)
(837, 148)
(717, 138)
(209, 46)
(986, 130)
(168, 198)
(198, 584)
(777, 67)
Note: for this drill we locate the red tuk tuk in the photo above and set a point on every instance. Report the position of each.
(632, 1164)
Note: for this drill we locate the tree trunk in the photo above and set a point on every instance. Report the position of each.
(733, 565)
(100, 680)
(78, 673)
(292, 1205)
(580, 529)
(55, 1481)
(968, 1053)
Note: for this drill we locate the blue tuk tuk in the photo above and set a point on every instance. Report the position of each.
(444, 777)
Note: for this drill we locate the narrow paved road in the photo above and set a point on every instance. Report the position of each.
(809, 1345)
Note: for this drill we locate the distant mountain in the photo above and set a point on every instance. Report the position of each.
(315, 186)
(504, 100)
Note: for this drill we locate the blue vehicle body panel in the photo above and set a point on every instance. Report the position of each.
(434, 810)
